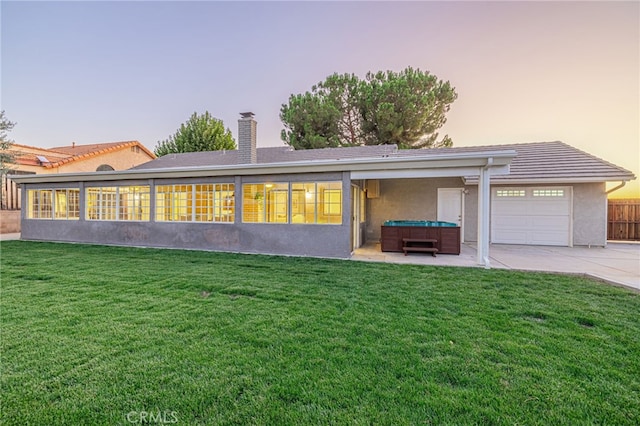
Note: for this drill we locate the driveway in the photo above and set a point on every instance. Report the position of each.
(618, 263)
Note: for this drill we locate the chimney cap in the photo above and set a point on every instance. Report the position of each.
(247, 114)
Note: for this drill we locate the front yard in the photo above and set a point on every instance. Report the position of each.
(108, 335)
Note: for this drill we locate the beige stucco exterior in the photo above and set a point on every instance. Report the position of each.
(122, 159)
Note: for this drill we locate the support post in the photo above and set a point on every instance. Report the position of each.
(484, 201)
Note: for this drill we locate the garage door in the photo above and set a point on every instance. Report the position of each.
(536, 216)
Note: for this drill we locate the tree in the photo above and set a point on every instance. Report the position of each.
(326, 117)
(199, 133)
(6, 156)
(405, 108)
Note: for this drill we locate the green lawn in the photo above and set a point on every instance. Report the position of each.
(109, 335)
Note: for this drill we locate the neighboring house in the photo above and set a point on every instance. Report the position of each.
(64, 159)
(81, 158)
(328, 202)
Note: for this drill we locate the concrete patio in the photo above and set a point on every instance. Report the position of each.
(618, 263)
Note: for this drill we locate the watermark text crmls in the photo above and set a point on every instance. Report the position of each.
(144, 417)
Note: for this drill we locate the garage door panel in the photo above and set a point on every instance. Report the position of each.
(510, 236)
(548, 208)
(539, 216)
(552, 223)
(511, 208)
(510, 222)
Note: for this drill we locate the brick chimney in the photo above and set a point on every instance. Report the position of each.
(247, 139)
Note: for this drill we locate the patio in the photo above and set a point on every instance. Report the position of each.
(618, 263)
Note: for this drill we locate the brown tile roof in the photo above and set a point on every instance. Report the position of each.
(27, 155)
(535, 162)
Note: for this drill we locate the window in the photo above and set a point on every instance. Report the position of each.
(40, 205)
(63, 204)
(510, 193)
(308, 202)
(122, 203)
(195, 203)
(331, 205)
(265, 203)
(303, 203)
(67, 204)
(548, 192)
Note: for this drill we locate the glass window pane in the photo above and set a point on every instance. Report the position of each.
(253, 203)
(303, 202)
(277, 202)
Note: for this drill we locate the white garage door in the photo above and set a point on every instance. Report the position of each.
(536, 216)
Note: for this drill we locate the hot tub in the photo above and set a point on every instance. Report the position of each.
(417, 223)
(445, 234)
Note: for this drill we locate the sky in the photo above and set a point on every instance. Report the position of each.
(91, 72)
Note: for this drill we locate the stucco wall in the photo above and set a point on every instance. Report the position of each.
(471, 214)
(405, 199)
(589, 214)
(289, 239)
(121, 159)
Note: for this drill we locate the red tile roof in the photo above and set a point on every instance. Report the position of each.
(65, 154)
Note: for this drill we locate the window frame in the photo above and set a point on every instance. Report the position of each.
(257, 196)
(113, 196)
(37, 195)
(217, 197)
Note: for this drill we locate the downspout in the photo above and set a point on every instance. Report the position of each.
(623, 183)
(606, 209)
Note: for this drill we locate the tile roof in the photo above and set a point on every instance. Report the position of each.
(80, 152)
(552, 162)
(535, 162)
(28, 155)
(280, 154)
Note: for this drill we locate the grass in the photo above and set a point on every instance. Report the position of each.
(110, 335)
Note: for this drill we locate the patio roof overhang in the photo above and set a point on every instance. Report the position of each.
(458, 164)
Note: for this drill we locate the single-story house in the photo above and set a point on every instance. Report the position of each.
(327, 202)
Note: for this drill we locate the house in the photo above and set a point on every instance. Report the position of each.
(80, 158)
(327, 202)
(64, 159)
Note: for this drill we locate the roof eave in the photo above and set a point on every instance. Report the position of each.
(535, 181)
(475, 159)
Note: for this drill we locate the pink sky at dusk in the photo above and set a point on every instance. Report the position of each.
(524, 71)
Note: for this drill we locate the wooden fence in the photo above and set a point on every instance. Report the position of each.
(9, 194)
(623, 220)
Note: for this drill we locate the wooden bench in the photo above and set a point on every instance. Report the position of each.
(419, 245)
